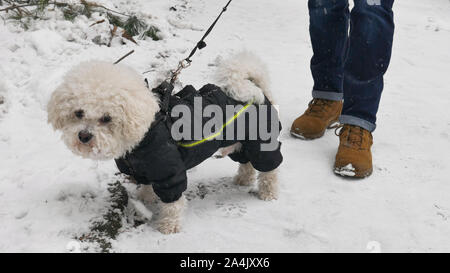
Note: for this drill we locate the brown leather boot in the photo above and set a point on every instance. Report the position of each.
(353, 158)
(319, 116)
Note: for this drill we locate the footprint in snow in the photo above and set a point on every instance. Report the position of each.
(442, 212)
(302, 233)
(221, 186)
(232, 210)
(229, 201)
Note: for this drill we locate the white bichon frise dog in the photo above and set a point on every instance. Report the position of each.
(105, 111)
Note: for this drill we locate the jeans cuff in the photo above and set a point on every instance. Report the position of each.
(327, 95)
(351, 120)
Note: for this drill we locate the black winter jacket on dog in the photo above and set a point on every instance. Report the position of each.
(162, 162)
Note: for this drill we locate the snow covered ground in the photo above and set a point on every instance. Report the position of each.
(48, 196)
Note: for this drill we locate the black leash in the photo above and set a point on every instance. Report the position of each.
(200, 45)
(164, 90)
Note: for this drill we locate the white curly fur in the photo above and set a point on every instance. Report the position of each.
(147, 194)
(101, 88)
(169, 215)
(246, 175)
(244, 77)
(267, 181)
(268, 185)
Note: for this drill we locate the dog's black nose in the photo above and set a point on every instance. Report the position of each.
(84, 136)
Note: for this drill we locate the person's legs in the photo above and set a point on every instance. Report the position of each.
(329, 22)
(369, 54)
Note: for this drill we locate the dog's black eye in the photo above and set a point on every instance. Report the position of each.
(105, 119)
(79, 114)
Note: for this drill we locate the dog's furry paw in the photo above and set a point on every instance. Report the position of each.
(146, 194)
(170, 216)
(245, 175)
(268, 185)
(243, 180)
(267, 195)
(168, 226)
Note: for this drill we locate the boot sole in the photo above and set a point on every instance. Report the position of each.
(351, 173)
(311, 137)
(302, 137)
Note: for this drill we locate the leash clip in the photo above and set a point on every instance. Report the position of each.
(181, 65)
(200, 45)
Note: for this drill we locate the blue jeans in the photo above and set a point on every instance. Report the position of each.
(351, 66)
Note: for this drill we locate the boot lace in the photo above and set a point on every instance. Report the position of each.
(318, 106)
(355, 134)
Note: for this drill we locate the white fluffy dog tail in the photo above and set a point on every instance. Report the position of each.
(244, 77)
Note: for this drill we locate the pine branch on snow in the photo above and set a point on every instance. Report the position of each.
(24, 12)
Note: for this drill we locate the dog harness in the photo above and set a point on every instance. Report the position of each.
(161, 161)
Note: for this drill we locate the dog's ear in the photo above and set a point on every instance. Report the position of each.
(57, 111)
(139, 108)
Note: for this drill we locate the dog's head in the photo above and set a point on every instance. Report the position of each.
(103, 110)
